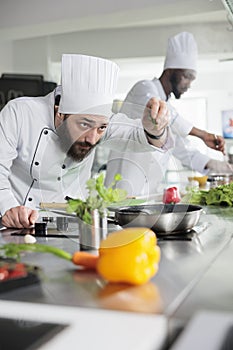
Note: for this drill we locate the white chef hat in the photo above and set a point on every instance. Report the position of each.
(88, 84)
(181, 52)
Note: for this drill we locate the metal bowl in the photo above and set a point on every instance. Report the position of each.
(161, 218)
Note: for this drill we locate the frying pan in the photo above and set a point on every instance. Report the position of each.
(161, 218)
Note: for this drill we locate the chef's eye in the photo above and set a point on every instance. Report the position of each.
(102, 127)
(85, 125)
(188, 76)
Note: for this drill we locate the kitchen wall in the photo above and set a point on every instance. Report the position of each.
(35, 53)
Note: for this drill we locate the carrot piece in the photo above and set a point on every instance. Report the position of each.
(85, 259)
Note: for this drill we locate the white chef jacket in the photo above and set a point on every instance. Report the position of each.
(33, 167)
(144, 173)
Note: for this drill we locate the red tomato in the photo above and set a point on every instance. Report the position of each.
(4, 273)
(171, 195)
(17, 271)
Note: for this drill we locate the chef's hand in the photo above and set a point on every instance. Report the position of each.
(19, 217)
(219, 167)
(216, 142)
(155, 120)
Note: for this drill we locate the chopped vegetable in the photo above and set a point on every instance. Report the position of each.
(4, 273)
(171, 195)
(129, 256)
(99, 197)
(11, 270)
(85, 259)
(29, 239)
(221, 195)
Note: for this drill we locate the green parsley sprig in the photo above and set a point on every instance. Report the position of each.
(99, 197)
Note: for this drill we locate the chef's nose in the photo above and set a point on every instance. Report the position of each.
(92, 136)
(189, 84)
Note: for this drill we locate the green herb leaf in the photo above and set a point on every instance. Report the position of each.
(221, 195)
(99, 197)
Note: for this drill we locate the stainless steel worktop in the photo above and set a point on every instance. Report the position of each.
(194, 273)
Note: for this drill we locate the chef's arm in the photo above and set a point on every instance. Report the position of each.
(148, 133)
(216, 142)
(12, 214)
(155, 122)
(219, 167)
(195, 160)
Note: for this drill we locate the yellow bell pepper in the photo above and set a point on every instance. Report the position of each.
(130, 256)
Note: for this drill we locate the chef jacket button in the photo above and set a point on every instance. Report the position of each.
(58, 179)
(37, 163)
(46, 132)
(63, 166)
(30, 199)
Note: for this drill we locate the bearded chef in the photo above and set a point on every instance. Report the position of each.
(143, 173)
(46, 152)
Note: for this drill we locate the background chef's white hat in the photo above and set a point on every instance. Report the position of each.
(88, 84)
(181, 52)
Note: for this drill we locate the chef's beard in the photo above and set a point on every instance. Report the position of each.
(174, 83)
(74, 149)
(76, 152)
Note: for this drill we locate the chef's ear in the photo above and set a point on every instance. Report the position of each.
(59, 117)
(56, 109)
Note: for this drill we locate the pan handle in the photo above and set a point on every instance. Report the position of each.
(113, 221)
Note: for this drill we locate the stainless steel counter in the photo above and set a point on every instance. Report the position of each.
(193, 274)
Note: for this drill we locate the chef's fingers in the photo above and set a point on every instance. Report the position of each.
(153, 106)
(10, 218)
(158, 111)
(17, 217)
(155, 117)
(26, 216)
(33, 217)
(219, 143)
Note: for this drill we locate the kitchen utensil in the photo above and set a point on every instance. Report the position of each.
(161, 218)
(53, 205)
(219, 179)
(200, 179)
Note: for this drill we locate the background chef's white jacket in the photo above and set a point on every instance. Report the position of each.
(33, 167)
(143, 173)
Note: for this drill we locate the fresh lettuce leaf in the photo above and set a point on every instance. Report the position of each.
(221, 195)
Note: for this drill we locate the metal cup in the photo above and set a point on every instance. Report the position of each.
(90, 235)
(62, 223)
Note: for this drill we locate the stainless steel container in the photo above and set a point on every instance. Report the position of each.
(62, 223)
(90, 235)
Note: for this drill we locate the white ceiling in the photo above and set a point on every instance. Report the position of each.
(29, 18)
